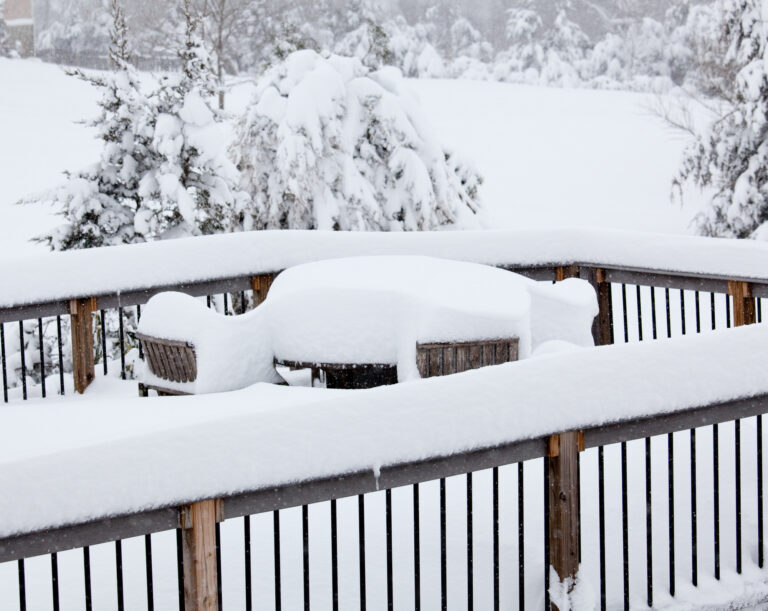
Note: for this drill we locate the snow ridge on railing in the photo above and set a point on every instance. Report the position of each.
(264, 437)
(53, 277)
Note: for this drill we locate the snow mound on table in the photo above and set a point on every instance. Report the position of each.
(368, 310)
(376, 309)
(232, 352)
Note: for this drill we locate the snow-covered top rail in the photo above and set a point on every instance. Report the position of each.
(69, 466)
(119, 270)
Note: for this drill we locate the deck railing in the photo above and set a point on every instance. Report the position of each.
(635, 303)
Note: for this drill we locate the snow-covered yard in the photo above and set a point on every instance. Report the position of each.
(550, 157)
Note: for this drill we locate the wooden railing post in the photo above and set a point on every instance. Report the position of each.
(566, 271)
(602, 326)
(564, 523)
(198, 523)
(260, 285)
(743, 303)
(83, 369)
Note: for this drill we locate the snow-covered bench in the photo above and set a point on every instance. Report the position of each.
(369, 315)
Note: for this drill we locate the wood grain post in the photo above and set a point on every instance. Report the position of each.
(564, 503)
(83, 369)
(743, 303)
(198, 523)
(261, 285)
(566, 271)
(602, 326)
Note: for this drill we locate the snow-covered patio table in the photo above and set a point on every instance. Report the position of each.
(362, 319)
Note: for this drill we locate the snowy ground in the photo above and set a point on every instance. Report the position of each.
(550, 157)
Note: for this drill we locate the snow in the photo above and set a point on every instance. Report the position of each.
(376, 309)
(368, 310)
(550, 157)
(174, 262)
(254, 440)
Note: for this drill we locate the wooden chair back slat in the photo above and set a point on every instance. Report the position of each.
(438, 359)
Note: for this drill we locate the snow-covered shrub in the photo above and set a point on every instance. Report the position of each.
(5, 49)
(190, 188)
(328, 143)
(542, 51)
(99, 203)
(730, 159)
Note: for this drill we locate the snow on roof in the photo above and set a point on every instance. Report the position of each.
(101, 271)
(133, 455)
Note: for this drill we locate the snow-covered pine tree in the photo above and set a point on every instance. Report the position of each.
(368, 38)
(191, 189)
(328, 143)
(99, 203)
(730, 160)
(5, 49)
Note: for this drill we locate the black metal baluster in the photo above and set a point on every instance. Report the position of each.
(138, 320)
(495, 526)
(671, 509)
(625, 523)
(226, 304)
(334, 556)
(276, 550)
(23, 361)
(443, 550)
(87, 577)
(694, 516)
(361, 544)
(103, 316)
(247, 562)
(712, 309)
(119, 573)
(470, 548)
(217, 538)
(653, 312)
(760, 550)
(639, 320)
(2, 361)
(669, 313)
(55, 580)
(520, 538)
(22, 586)
(682, 311)
(737, 436)
(208, 301)
(547, 561)
(601, 521)
(180, 569)
(727, 311)
(388, 519)
(416, 550)
(698, 312)
(648, 524)
(305, 553)
(42, 355)
(148, 570)
(122, 343)
(624, 311)
(61, 355)
(716, 499)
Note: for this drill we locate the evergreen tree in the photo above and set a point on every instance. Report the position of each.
(368, 39)
(5, 49)
(191, 188)
(730, 160)
(328, 143)
(100, 202)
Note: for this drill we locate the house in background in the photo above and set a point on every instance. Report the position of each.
(21, 26)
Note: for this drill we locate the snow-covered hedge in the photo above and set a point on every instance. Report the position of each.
(329, 143)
